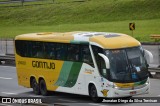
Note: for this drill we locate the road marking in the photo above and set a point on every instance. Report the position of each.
(96, 104)
(9, 93)
(67, 100)
(5, 78)
(5, 104)
(8, 67)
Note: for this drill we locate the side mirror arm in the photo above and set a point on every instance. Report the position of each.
(150, 56)
(107, 63)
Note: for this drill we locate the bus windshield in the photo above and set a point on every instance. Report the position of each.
(127, 65)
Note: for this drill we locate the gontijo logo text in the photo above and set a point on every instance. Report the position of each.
(42, 64)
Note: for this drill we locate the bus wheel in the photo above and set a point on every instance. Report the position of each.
(43, 88)
(35, 87)
(93, 94)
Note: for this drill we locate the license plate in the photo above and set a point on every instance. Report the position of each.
(133, 93)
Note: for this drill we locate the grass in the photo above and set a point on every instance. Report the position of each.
(80, 12)
(141, 33)
(92, 15)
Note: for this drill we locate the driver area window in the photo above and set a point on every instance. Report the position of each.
(99, 60)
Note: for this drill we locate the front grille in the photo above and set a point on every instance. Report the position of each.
(131, 88)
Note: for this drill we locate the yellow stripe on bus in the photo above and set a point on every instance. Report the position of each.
(124, 85)
(49, 70)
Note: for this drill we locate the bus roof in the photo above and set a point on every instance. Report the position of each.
(103, 39)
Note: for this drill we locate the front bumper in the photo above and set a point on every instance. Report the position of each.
(116, 92)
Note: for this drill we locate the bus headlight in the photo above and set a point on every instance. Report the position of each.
(115, 86)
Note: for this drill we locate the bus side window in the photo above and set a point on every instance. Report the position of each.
(61, 51)
(37, 50)
(102, 67)
(25, 47)
(29, 48)
(86, 55)
(49, 50)
(73, 52)
(99, 60)
(21, 47)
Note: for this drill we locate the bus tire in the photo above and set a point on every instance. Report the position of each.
(93, 94)
(35, 86)
(43, 88)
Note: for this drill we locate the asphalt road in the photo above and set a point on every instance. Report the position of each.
(10, 88)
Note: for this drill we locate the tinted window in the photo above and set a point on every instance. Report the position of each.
(73, 52)
(61, 51)
(29, 49)
(57, 51)
(49, 50)
(97, 50)
(86, 55)
(37, 50)
(20, 48)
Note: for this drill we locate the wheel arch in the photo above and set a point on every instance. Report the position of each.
(89, 86)
(31, 78)
(41, 78)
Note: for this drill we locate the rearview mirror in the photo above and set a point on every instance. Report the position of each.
(105, 59)
(148, 55)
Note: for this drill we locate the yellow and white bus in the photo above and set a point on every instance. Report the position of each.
(98, 64)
